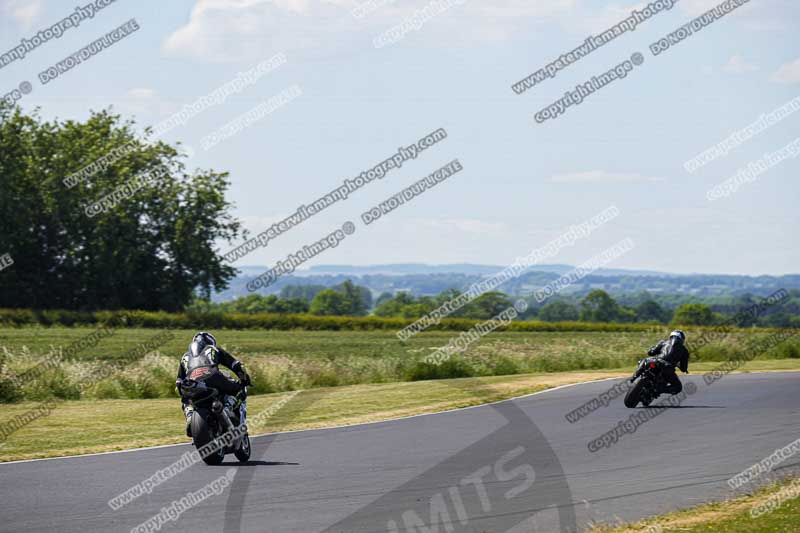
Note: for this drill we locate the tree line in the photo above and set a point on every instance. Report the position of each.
(349, 299)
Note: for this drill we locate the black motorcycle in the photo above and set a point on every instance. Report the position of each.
(651, 384)
(212, 419)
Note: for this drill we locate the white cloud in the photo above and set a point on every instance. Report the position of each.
(601, 20)
(140, 93)
(246, 30)
(774, 15)
(25, 12)
(738, 65)
(522, 8)
(788, 73)
(602, 176)
(698, 7)
(241, 30)
(472, 226)
(145, 102)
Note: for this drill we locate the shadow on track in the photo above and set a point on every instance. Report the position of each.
(257, 463)
(683, 407)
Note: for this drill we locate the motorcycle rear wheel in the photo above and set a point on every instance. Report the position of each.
(632, 398)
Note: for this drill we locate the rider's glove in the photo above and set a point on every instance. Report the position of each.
(244, 377)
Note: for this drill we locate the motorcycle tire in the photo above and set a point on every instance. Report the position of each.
(201, 435)
(243, 453)
(632, 398)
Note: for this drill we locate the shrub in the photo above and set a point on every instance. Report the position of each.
(505, 366)
(54, 383)
(9, 391)
(785, 350)
(451, 368)
(323, 376)
(107, 390)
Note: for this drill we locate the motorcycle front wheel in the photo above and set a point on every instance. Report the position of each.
(632, 398)
(201, 435)
(243, 453)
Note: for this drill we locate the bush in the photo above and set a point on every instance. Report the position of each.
(138, 387)
(54, 383)
(785, 350)
(323, 376)
(451, 368)
(713, 352)
(9, 391)
(505, 366)
(107, 390)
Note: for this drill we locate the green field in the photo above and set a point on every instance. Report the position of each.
(293, 360)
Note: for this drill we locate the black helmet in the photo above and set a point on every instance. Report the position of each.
(201, 341)
(680, 334)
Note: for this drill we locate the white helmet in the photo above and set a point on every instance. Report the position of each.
(200, 341)
(680, 334)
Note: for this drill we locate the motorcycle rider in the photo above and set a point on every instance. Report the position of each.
(672, 351)
(201, 363)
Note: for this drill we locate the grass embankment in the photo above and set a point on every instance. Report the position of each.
(293, 360)
(731, 516)
(87, 426)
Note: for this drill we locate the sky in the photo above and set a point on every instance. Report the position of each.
(523, 183)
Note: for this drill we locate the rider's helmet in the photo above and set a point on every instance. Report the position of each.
(679, 334)
(201, 341)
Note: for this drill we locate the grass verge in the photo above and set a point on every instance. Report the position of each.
(732, 516)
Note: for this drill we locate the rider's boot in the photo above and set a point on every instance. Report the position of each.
(188, 412)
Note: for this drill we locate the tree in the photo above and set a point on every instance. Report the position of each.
(486, 306)
(694, 314)
(384, 297)
(306, 292)
(255, 303)
(558, 311)
(651, 311)
(395, 307)
(152, 250)
(598, 306)
(359, 299)
(330, 302)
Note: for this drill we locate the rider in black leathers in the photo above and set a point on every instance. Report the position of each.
(672, 351)
(200, 364)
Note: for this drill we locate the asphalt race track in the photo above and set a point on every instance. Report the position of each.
(517, 464)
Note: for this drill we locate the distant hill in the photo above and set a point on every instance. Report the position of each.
(421, 279)
(463, 268)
